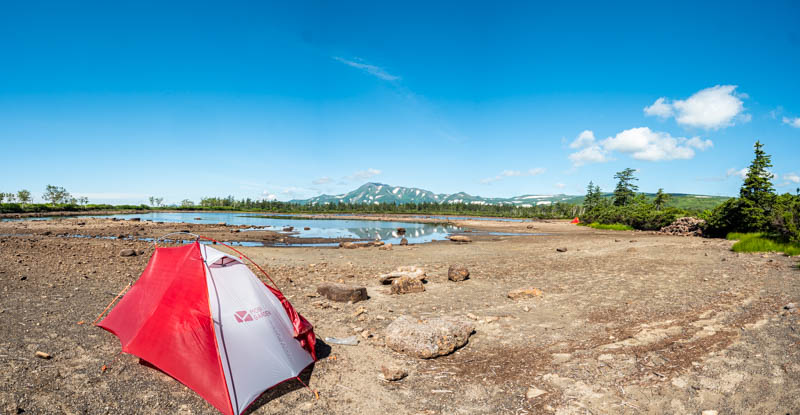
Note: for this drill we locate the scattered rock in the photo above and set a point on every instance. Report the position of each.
(459, 238)
(401, 231)
(386, 247)
(406, 285)
(135, 219)
(43, 355)
(393, 374)
(523, 293)
(23, 278)
(403, 271)
(534, 393)
(561, 249)
(348, 245)
(404, 241)
(457, 273)
(378, 243)
(342, 292)
(686, 226)
(288, 229)
(127, 252)
(429, 338)
(307, 228)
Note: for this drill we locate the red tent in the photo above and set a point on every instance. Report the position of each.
(576, 220)
(201, 316)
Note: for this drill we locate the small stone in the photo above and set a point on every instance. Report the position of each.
(561, 249)
(523, 293)
(406, 285)
(790, 306)
(404, 242)
(23, 278)
(534, 393)
(472, 316)
(342, 292)
(393, 374)
(43, 355)
(459, 238)
(306, 228)
(386, 247)
(348, 245)
(457, 273)
(709, 412)
(127, 252)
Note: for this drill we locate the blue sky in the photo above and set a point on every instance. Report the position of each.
(120, 102)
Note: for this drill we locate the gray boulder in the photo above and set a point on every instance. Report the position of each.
(429, 338)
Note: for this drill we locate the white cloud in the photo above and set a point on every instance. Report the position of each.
(584, 139)
(364, 174)
(322, 180)
(792, 177)
(560, 185)
(642, 144)
(513, 173)
(741, 173)
(711, 108)
(591, 154)
(660, 108)
(376, 71)
(794, 122)
(269, 196)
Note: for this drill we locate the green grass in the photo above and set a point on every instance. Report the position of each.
(610, 226)
(758, 242)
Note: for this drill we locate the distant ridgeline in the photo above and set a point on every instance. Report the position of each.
(382, 198)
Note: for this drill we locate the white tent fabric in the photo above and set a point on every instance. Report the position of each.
(254, 335)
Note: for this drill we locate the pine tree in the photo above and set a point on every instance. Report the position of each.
(626, 189)
(757, 186)
(661, 199)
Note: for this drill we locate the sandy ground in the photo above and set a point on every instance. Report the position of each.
(629, 322)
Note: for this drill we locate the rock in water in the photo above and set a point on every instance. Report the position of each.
(524, 293)
(430, 338)
(457, 273)
(401, 231)
(459, 238)
(127, 252)
(406, 285)
(342, 292)
(404, 241)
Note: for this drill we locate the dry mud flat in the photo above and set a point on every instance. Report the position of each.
(627, 323)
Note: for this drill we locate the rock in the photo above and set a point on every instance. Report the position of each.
(393, 374)
(529, 227)
(429, 338)
(348, 245)
(534, 393)
(524, 293)
(561, 249)
(386, 247)
(401, 231)
(127, 252)
(457, 273)
(342, 292)
(709, 412)
(403, 271)
(288, 229)
(790, 306)
(686, 226)
(307, 228)
(135, 219)
(198, 218)
(406, 285)
(378, 243)
(23, 278)
(459, 238)
(43, 355)
(404, 241)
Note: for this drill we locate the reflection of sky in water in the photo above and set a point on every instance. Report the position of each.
(319, 228)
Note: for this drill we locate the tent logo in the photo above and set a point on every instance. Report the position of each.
(250, 315)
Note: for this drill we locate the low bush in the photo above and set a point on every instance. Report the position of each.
(760, 242)
(610, 226)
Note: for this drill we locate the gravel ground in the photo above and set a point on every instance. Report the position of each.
(629, 322)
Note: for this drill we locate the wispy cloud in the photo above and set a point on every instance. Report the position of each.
(363, 175)
(373, 70)
(794, 122)
(322, 180)
(513, 173)
(791, 178)
(741, 173)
